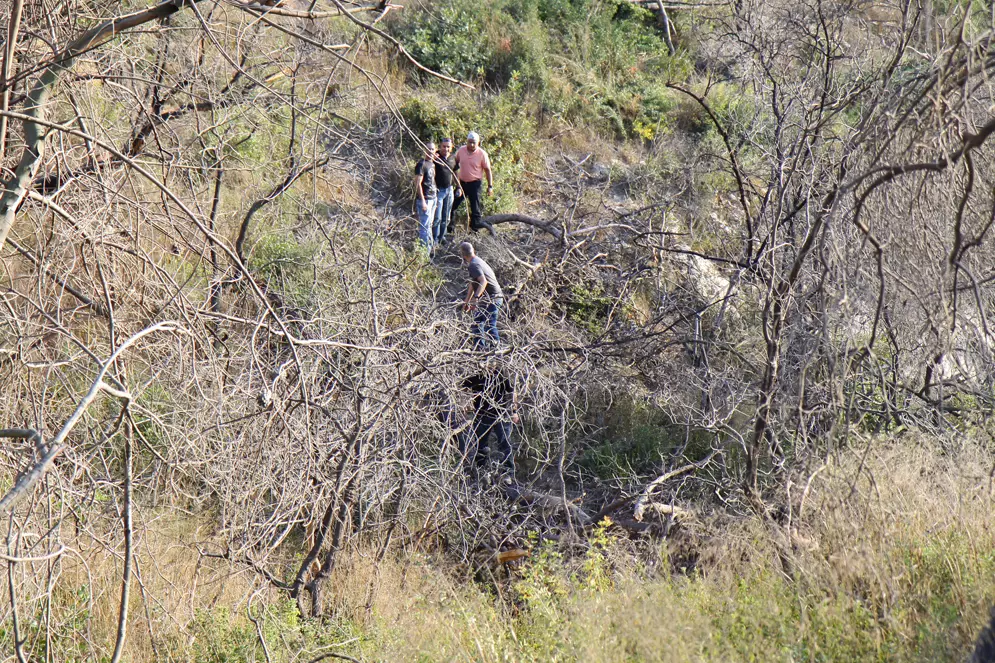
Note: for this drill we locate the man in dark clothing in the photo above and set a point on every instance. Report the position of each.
(495, 410)
(483, 296)
(444, 165)
(438, 401)
(425, 195)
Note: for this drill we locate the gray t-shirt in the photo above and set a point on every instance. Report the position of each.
(476, 267)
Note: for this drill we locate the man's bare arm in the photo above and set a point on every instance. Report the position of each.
(419, 194)
(474, 290)
(459, 184)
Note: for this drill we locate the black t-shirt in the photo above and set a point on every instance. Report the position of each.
(492, 394)
(444, 172)
(426, 169)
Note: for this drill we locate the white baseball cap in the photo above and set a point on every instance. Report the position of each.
(473, 136)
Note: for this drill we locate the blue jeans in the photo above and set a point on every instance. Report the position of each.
(426, 215)
(485, 330)
(443, 207)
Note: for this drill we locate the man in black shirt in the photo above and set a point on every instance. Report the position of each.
(495, 409)
(444, 184)
(425, 195)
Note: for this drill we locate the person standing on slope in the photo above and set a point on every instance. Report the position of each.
(495, 411)
(425, 195)
(483, 296)
(444, 166)
(472, 165)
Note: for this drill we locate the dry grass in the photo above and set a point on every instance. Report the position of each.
(892, 560)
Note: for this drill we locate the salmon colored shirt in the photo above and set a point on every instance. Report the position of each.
(472, 164)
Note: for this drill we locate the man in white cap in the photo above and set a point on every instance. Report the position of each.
(472, 165)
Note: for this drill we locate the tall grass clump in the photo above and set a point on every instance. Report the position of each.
(593, 63)
(884, 558)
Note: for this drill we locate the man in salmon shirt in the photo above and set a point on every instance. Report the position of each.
(472, 164)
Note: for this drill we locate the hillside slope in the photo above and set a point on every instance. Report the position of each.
(748, 272)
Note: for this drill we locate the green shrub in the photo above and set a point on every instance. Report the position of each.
(223, 638)
(542, 589)
(507, 133)
(281, 256)
(588, 306)
(635, 437)
(449, 40)
(287, 264)
(597, 62)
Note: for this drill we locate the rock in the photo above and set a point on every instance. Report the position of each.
(600, 172)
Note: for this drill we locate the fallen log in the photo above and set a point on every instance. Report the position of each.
(545, 226)
(666, 510)
(644, 499)
(549, 502)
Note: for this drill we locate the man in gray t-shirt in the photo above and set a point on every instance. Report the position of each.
(485, 308)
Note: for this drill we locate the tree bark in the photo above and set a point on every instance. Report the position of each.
(13, 27)
(15, 187)
(527, 220)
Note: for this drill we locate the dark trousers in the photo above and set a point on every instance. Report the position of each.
(472, 194)
(483, 426)
(447, 416)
